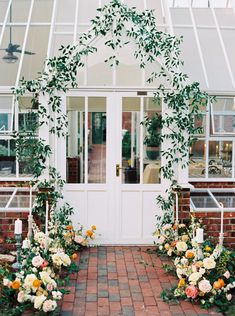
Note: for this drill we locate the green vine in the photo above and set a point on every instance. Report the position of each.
(183, 100)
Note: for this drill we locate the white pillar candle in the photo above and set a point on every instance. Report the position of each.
(18, 227)
(199, 235)
(26, 244)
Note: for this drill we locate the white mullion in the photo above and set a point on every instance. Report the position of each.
(75, 22)
(141, 140)
(214, 199)
(86, 140)
(24, 43)
(199, 47)
(49, 48)
(233, 159)
(11, 198)
(223, 47)
(167, 12)
(5, 21)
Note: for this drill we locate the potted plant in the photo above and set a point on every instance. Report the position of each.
(152, 139)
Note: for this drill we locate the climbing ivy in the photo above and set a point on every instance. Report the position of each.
(120, 26)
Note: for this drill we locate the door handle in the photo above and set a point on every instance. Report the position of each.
(118, 169)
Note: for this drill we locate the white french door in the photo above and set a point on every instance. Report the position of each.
(111, 182)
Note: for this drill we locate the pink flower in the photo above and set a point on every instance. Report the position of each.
(44, 264)
(37, 261)
(227, 274)
(191, 291)
(50, 287)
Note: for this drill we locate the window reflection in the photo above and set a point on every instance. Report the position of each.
(220, 159)
(197, 162)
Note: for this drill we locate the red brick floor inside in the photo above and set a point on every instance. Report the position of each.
(122, 281)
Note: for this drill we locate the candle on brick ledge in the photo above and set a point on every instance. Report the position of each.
(199, 235)
(18, 227)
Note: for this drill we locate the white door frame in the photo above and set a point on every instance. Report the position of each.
(113, 186)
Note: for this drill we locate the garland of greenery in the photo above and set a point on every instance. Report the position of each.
(184, 100)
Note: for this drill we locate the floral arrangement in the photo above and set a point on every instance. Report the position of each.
(37, 285)
(173, 239)
(206, 271)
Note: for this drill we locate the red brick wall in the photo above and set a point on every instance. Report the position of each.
(210, 219)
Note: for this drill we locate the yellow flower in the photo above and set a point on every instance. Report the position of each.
(38, 293)
(207, 248)
(181, 282)
(45, 293)
(93, 227)
(15, 285)
(167, 246)
(74, 256)
(185, 238)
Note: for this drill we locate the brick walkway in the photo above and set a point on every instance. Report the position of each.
(122, 281)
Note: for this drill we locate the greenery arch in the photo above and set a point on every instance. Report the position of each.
(182, 98)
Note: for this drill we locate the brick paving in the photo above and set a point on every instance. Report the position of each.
(122, 281)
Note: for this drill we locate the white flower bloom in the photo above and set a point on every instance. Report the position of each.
(38, 301)
(229, 297)
(194, 277)
(21, 297)
(46, 279)
(227, 274)
(209, 263)
(204, 286)
(202, 271)
(49, 306)
(179, 272)
(160, 247)
(28, 282)
(79, 239)
(211, 300)
(166, 227)
(181, 246)
(7, 282)
(34, 270)
(184, 261)
(57, 295)
(37, 261)
(169, 252)
(181, 225)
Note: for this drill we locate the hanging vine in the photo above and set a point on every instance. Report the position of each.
(121, 25)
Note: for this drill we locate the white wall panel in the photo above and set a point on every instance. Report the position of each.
(150, 210)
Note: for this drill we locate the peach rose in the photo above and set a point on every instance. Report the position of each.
(191, 291)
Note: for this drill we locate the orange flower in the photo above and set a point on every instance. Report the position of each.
(15, 285)
(175, 226)
(189, 254)
(216, 285)
(221, 281)
(173, 244)
(93, 227)
(69, 227)
(74, 256)
(37, 283)
(89, 233)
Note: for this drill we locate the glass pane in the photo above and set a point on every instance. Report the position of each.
(26, 163)
(152, 148)
(21, 200)
(5, 196)
(42, 11)
(197, 154)
(96, 140)
(59, 40)
(130, 140)
(65, 11)
(202, 200)
(5, 113)
(75, 139)
(87, 10)
(223, 116)
(7, 158)
(20, 10)
(35, 51)
(220, 159)
(227, 198)
(3, 9)
(28, 117)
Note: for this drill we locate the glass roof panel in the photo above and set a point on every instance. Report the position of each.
(3, 9)
(202, 199)
(227, 198)
(203, 17)
(21, 200)
(4, 197)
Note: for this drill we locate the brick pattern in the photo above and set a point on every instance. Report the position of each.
(122, 281)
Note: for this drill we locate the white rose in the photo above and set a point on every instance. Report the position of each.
(194, 277)
(169, 252)
(202, 271)
(79, 239)
(49, 306)
(181, 246)
(204, 286)
(209, 263)
(179, 272)
(227, 274)
(37, 261)
(28, 282)
(229, 297)
(57, 295)
(160, 247)
(38, 301)
(184, 261)
(21, 297)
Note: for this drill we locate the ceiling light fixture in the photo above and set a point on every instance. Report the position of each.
(10, 58)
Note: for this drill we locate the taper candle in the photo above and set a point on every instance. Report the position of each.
(47, 213)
